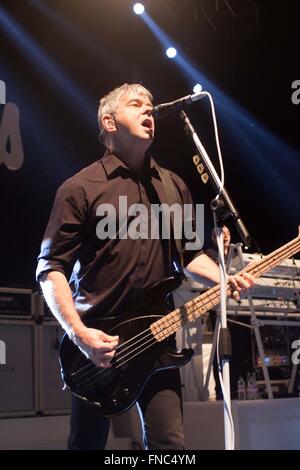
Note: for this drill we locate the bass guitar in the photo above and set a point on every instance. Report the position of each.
(146, 344)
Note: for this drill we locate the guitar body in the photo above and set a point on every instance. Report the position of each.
(139, 355)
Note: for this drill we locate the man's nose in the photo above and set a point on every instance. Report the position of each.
(148, 110)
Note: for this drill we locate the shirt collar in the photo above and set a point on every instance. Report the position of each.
(111, 163)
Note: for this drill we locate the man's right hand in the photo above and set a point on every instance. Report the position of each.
(96, 345)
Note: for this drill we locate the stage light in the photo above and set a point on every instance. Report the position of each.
(197, 88)
(171, 52)
(138, 8)
(250, 138)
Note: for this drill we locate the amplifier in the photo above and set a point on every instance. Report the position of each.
(18, 368)
(274, 360)
(53, 398)
(19, 303)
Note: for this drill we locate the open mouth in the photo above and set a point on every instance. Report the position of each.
(147, 123)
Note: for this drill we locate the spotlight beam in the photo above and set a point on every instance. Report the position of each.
(82, 39)
(261, 150)
(50, 68)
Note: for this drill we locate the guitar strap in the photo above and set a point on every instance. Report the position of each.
(173, 197)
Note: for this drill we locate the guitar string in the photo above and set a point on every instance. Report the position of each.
(261, 262)
(182, 314)
(131, 339)
(117, 349)
(93, 379)
(182, 317)
(105, 372)
(87, 383)
(150, 334)
(193, 304)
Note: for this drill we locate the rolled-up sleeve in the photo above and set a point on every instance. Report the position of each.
(63, 237)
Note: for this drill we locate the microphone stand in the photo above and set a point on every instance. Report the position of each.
(221, 207)
(225, 204)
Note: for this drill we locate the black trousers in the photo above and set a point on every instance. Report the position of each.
(161, 406)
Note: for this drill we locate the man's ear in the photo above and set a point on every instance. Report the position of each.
(108, 123)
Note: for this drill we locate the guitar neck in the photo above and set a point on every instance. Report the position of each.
(174, 321)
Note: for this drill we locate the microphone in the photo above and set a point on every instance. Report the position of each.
(163, 110)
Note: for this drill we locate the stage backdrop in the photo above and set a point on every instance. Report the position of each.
(59, 57)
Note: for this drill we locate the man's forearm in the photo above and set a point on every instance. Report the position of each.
(59, 299)
(203, 267)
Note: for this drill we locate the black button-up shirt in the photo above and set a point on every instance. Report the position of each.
(105, 275)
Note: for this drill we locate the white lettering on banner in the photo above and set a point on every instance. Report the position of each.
(296, 93)
(2, 352)
(2, 92)
(11, 148)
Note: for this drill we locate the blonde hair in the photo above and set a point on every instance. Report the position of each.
(110, 102)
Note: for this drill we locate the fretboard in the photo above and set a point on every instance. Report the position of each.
(174, 321)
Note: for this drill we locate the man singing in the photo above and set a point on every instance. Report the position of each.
(83, 275)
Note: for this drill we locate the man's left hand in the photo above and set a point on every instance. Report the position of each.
(239, 283)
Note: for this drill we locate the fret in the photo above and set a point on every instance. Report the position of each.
(172, 322)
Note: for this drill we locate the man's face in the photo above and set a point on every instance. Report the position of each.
(226, 236)
(133, 118)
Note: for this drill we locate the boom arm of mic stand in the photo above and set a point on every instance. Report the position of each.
(240, 226)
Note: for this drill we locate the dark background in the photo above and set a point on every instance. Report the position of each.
(58, 57)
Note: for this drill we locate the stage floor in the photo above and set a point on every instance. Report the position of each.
(259, 424)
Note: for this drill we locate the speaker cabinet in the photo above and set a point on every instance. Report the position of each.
(52, 398)
(18, 367)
